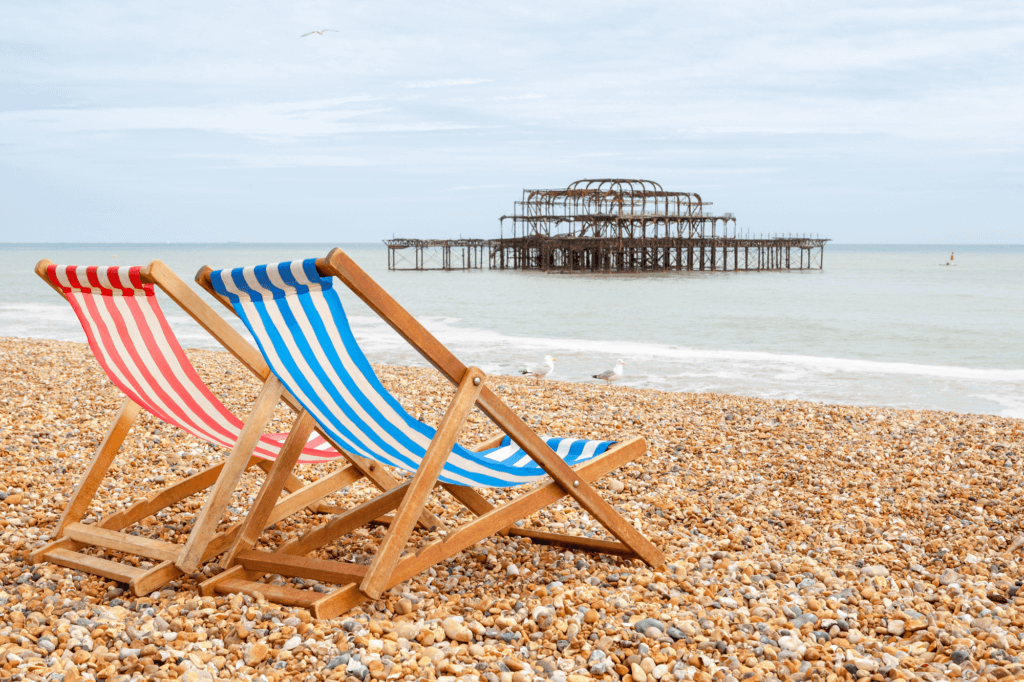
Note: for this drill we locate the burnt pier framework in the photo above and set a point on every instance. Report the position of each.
(657, 254)
(614, 225)
(435, 254)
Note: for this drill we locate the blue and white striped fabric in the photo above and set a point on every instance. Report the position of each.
(300, 326)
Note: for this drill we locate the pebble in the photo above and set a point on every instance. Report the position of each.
(896, 627)
(804, 619)
(456, 631)
(254, 653)
(646, 623)
(875, 571)
(802, 541)
(543, 616)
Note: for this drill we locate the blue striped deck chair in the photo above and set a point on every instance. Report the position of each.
(295, 313)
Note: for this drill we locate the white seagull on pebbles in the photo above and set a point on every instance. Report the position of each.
(613, 374)
(542, 370)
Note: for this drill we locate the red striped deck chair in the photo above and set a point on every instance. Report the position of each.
(133, 343)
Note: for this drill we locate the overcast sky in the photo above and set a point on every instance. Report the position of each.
(866, 122)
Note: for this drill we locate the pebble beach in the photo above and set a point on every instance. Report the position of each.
(804, 541)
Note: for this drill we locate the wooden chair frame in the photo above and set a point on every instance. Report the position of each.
(71, 535)
(389, 566)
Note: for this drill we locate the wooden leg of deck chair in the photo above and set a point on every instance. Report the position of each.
(292, 483)
(164, 572)
(479, 505)
(271, 488)
(304, 497)
(141, 509)
(510, 512)
(357, 517)
(489, 442)
(211, 513)
(350, 596)
(385, 481)
(101, 461)
(423, 482)
(470, 498)
(378, 475)
(563, 475)
(369, 469)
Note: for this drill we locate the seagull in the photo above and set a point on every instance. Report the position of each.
(318, 32)
(542, 370)
(613, 374)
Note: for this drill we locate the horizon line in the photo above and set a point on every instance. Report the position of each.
(381, 243)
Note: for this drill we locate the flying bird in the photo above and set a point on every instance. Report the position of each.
(613, 374)
(320, 33)
(542, 370)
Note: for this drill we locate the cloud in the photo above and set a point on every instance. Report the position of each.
(474, 188)
(526, 96)
(917, 96)
(282, 160)
(272, 120)
(447, 82)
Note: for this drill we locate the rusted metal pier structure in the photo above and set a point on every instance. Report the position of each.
(636, 226)
(657, 254)
(435, 254)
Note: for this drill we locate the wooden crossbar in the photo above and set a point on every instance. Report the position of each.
(292, 503)
(123, 542)
(302, 567)
(357, 517)
(95, 565)
(281, 594)
(586, 544)
(541, 537)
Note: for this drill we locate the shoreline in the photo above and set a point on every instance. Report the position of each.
(764, 508)
(768, 362)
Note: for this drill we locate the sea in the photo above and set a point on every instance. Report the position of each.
(879, 325)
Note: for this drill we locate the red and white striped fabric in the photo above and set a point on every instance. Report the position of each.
(132, 341)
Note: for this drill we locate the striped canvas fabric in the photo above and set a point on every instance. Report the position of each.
(300, 326)
(134, 345)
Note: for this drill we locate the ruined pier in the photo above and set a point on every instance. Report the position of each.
(435, 254)
(618, 225)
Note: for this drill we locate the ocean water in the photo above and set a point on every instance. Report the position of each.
(879, 325)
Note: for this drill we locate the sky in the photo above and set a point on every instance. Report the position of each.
(876, 122)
